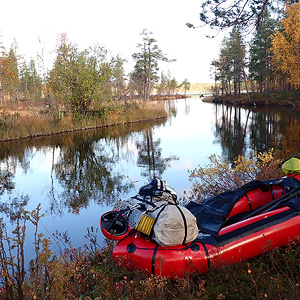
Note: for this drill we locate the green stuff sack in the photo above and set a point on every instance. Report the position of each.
(291, 166)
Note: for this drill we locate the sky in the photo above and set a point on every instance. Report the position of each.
(115, 24)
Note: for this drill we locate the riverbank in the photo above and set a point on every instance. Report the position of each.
(94, 275)
(287, 99)
(162, 97)
(91, 273)
(168, 97)
(27, 121)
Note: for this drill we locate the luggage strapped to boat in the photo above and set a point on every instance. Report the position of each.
(158, 215)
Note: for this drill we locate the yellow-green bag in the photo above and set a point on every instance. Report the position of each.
(145, 224)
(291, 166)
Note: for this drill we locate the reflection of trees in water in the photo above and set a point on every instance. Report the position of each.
(13, 155)
(264, 128)
(87, 172)
(187, 107)
(290, 138)
(231, 125)
(12, 209)
(6, 183)
(171, 108)
(150, 157)
(89, 169)
(84, 165)
(278, 128)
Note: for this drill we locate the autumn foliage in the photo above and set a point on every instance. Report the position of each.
(7, 72)
(286, 46)
(219, 176)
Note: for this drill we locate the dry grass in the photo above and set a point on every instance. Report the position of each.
(28, 121)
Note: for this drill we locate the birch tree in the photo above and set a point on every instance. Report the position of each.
(286, 46)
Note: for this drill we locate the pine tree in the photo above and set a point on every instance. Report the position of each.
(30, 81)
(146, 65)
(9, 76)
(260, 67)
(186, 85)
(230, 65)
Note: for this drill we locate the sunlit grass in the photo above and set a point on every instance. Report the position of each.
(16, 124)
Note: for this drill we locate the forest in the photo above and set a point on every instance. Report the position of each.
(263, 61)
(84, 89)
(260, 54)
(81, 81)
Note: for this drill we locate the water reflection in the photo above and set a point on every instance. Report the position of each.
(6, 183)
(78, 176)
(231, 125)
(238, 129)
(87, 167)
(86, 172)
(150, 157)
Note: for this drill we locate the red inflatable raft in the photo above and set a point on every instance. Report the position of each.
(264, 215)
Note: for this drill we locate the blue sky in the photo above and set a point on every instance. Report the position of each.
(35, 25)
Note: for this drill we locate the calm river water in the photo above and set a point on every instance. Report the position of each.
(77, 177)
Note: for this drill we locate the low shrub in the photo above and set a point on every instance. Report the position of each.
(218, 176)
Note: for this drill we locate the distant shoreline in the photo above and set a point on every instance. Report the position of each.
(286, 99)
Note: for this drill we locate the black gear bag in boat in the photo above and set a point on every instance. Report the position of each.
(156, 188)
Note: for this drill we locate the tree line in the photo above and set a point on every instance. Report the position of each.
(81, 80)
(268, 60)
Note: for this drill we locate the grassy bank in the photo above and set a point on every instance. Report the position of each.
(274, 275)
(90, 273)
(28, 121)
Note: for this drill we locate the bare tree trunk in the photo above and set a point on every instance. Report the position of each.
(245, 78)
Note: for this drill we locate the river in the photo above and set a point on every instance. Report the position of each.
(77, 177)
